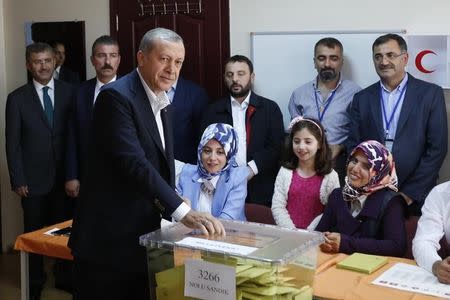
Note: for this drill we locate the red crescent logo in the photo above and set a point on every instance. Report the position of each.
(418, 61)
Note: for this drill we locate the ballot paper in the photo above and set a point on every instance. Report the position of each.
(205, 244)
(413, 279)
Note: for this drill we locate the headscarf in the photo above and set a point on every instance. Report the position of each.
(227, 138)
(381, 173)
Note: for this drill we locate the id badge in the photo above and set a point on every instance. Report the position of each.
(389, 143)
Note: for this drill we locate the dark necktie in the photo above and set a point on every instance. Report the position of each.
(48, 107)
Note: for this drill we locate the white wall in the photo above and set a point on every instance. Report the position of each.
(13, 15)
(297, 15)
(415, 16)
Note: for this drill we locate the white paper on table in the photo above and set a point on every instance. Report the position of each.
(413, 279)
(216, 246)
(49, 232)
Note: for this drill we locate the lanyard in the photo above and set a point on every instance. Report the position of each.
(387, 122)
(321, 111)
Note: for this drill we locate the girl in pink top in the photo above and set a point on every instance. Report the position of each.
(306, 177)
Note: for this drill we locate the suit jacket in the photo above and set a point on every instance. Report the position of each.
(34, 149)
(356, 235)
(420, 144)
(67, 75)
(189, 103)
(264, 147)
(78, 128)
(127, 168)
(229, 198)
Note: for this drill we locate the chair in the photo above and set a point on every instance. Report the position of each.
(411, 227)
(259, 213)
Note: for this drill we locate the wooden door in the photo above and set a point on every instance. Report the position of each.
(203, 25)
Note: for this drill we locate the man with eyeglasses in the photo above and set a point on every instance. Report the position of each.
(36, 115)
(407, 115)
(327, 97)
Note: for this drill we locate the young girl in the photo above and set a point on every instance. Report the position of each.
(216, 184)
(306, 178)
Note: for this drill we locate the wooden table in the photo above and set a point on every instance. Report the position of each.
(341, 284)
(39, 243)
(329, 282)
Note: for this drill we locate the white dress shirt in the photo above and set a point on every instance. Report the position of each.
(56, 72)
(433, 225)
(158, 103)
(99, 85)
(51, 91)
(238, 111)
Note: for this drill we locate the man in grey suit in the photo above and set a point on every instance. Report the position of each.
(36, 115)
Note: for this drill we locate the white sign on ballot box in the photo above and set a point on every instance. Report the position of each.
(205, 280)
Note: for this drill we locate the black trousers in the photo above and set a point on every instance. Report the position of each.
(94, 281)
(40, 211)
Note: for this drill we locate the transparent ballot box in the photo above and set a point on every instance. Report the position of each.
(253, 261)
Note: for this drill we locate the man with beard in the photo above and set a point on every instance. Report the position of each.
(406, 114)
(327, 97)
(106, 59)
(259, 124)
(36, 115)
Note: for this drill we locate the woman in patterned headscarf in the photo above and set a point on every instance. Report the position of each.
(367, 215)
(216, 184)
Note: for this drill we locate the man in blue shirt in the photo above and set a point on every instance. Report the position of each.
(327, 97)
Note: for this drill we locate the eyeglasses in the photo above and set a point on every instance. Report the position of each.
(390, 56)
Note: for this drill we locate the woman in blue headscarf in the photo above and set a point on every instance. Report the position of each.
(216, 184)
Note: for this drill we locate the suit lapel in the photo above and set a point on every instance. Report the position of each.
(36, 104)
(408, 103)
(57, 105)
(217, 201)
(90, 98)
(179, 95)
(145, 108)
(375, 108)
(166, 118)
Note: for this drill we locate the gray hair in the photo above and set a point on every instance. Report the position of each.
(38, 48)
(148, 40)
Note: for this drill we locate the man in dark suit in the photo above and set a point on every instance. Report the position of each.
(106, 59)
(408, 115)
(259, 124)
(61, 72)
(188, 101)
(130, 176)
(36, 115)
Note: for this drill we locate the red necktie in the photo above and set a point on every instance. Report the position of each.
(248, 126)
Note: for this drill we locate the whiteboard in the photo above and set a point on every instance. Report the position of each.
(283, 61)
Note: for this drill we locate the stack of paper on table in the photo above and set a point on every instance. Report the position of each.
(364, 263)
